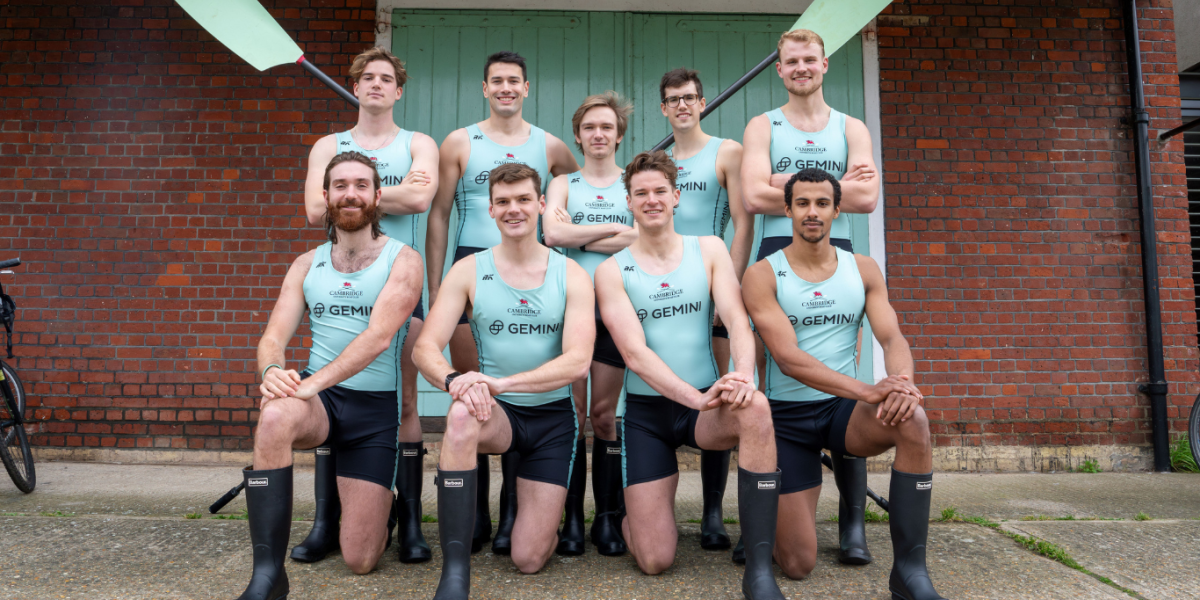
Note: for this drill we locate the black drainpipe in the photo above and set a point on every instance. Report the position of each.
(1156, 388)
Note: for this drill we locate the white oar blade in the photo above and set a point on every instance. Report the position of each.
(247, 29)
(837, 21)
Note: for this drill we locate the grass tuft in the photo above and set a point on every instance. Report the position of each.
(1141, 516)
(1181, 456)
(1088, 466)
(242, 516)
(428, 519)
(949, 514)
(870, 515)
(57, 513)
(193, 515)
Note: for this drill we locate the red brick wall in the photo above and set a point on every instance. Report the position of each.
(151, 182)
(1012, 224)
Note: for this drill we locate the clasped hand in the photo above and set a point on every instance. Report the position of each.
(897, 399)
(735, 389)
(476, 390)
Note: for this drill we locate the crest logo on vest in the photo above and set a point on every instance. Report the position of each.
(346, 291)
(666, 292)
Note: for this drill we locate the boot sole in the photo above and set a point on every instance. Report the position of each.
(855, 559)
(715, 542)
(310, 559)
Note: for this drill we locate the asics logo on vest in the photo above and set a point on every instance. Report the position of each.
(776, 123)
(478, 137)
(319, 265)
(489, 277)
(318, 310)
(665, 292)
(629, 268)
(574, 180)
(346, 291)
(345, 143)
(781, 273)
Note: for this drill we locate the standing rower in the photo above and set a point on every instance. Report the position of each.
(710, 195)
(407, 162)
(589, 218)
(806, 132)
(468, 155)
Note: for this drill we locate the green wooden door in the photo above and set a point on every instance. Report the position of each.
(573, 54)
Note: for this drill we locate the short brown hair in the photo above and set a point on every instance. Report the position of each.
(654, 160)
(514, 173)
(345, 157)
(377, 53)
(622, 107)
(804, 36)
(679, 78)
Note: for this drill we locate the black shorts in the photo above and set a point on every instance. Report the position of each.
(418, 311)
(363, 428)
(771, 245)
(544, 437)
(802, 430)
(605, 350)
(719, 331)
(460, 253)
(652, 429)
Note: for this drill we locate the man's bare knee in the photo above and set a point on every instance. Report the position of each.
(528, 561)
(276, 423)
(795, 565)
(461, 425)
(360, 564)
(654, 561)
(914, 431)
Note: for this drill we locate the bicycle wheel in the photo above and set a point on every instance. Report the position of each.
(18, 390)
(14, 444)
(1194, 431)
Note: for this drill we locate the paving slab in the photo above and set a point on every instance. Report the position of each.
(1156, 559)
(142, 558)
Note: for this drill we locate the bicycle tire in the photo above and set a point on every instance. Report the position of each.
(1194, 430)
(18, 389)
(15, 452)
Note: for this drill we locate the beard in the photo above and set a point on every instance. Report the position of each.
(353, 222)
(805, 91)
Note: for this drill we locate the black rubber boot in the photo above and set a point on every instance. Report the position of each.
(409, 476)
(606, 490)
(456, 504)
(269, 507)
(714, 473)
(323, 538)
(908, 521)
(483, 513)
(570, 538)
(739, 552)
(509, 462)
(850, 474)
(758, 511)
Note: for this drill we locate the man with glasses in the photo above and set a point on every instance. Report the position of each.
(710, 190)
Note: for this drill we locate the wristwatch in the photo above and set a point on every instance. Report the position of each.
(451, 377)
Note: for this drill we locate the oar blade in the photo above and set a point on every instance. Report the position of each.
(837, 21)
(247, 29)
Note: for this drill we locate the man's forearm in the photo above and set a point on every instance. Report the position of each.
(859, 197)
(435, 252)
(432, 365)
(741, 348)
(743, 240)
(405, 199)
(270, 353)
(360, 352)
(806, 369)
(569, 235)
(558, 372)
(614, 244)
(655, 372)
(897, 358)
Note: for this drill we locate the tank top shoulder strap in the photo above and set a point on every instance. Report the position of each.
(847, 261)
(343, 139)
(537, 134)
(778, 264)
(393, 248)
(691, 249)
(405, 137)
(324, 253)
(484, 263)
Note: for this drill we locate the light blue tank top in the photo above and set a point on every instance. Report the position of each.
(519, 330)
(826, 316)
(339, 309)
(793, 150)
(393, 162)
(703, 203)
(590, 205)
(676, 311)
(475, 227)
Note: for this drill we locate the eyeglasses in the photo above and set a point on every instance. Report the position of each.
(688, 99)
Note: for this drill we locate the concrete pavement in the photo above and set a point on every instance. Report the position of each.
(120, 531)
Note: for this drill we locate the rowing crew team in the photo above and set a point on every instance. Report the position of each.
(642, 295)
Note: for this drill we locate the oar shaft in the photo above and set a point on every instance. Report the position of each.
(319, 74)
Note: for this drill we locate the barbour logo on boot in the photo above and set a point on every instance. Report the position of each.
(849, 457)
(766, 485)
(924, 485)
(452, 483)
(257, 482)
(324, 451)
(411, 452)
(613, 450)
